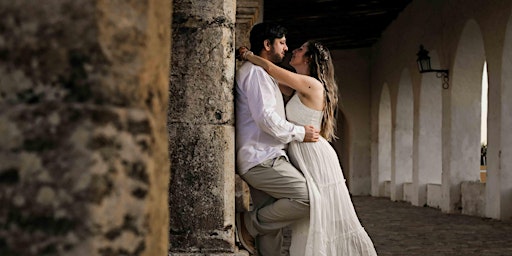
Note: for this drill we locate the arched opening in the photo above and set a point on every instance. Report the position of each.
(463, 117)
(483, 124)
(383, 173)
(403, 136)
(428, 149)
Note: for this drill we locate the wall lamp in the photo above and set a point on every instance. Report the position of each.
(424, 67)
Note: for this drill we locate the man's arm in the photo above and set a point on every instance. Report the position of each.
(312, 134)
(262, 104)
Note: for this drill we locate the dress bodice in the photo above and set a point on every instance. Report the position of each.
(300, 114)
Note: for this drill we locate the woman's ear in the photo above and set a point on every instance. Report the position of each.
(267, 44)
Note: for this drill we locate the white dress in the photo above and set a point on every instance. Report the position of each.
(332, 227)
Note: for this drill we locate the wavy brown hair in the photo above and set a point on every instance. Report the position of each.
(321, 68)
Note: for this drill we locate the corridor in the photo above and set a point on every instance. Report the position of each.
(398, 228)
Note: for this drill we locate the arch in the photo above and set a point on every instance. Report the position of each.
(485, 106)
(401, 171)
(463, 117)
(428, 143)
(383, 172)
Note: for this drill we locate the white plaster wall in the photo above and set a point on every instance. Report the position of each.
(401, 169)
(352, 69)
(505, 155)
(440, 26)
(383, 171)
(407, 191)
(387, 188)
(427, 160)
(434, 195)
(342, 144)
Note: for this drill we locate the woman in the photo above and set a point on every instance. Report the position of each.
(332, 227)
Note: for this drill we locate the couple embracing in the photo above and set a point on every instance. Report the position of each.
(284, 153)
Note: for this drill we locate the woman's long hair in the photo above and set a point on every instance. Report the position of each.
(321, 68)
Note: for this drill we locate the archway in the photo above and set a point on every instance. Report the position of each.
(463, 117)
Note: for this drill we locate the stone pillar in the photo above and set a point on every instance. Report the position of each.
(83, 144)
(201, 126)
(248, 13)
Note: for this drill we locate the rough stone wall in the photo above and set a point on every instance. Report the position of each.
(83, 144)
(201, 127)
(248, 13)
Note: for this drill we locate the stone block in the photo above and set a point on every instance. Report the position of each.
(387, 188)
(407, 192)
(202, 186)
(202, 78)
(434, 195)
(203, 64)
(212, 11)
(473, 198)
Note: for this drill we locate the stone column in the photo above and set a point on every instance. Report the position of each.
(83, 141)
(201, 127)
(248, 13)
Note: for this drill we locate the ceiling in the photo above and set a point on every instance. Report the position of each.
(338, 24)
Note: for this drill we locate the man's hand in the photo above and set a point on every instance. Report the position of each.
(312, 135)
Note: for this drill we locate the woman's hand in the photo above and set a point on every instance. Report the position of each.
(242, 53)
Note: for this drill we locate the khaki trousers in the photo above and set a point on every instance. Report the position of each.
(280, 197)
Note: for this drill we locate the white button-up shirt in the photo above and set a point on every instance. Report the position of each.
(262, 131)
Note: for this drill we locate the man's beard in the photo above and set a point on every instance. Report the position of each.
(275, 57)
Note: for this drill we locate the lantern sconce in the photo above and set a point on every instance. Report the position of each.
(424, 67)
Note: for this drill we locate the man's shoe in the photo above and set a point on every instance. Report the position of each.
(243, 234)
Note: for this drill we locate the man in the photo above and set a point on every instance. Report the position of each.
(278, 190)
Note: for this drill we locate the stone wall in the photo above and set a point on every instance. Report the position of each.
(201, 127)
(83, 148)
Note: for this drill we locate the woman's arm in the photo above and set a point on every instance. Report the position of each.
(302, 83)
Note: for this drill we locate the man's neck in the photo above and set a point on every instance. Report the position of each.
(265, 55)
